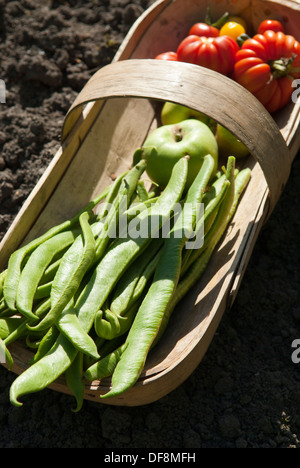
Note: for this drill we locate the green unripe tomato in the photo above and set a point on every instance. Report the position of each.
(167, 144)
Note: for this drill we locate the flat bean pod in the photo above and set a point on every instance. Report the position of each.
(197, 268)
(50, 272)
(105, 366)
(5, 354)
(108, 346)
(9, 325)
(111, 196)
(45, 371)
(231, 176)
(70, 273)
(150, 314)
(22, 330)
(68, 323)
(70, 326)
(210, 213)
(106, 324)
(119, 205)
(74, 380)
(144, 279)
(122, 295)
(46, 344)
(35, 267)
(51, 365)
(141, 191)
(2, 279)
(109, 325)
(134, 210)
(125, 251)
(43, 291)
(17, 258)
(104, 347)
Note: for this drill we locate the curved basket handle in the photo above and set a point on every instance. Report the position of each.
(203, 90)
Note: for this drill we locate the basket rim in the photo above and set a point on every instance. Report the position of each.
(203, 90)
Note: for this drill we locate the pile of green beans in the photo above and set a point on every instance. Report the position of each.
(90, 301)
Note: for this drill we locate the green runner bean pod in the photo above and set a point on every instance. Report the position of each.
(111, 196)
(70, 273)
(122, 295)
(108, 346)
(119, 205)
(22, 330)
(46, 344)
(144, 279)
(105, 366)
(109, 325)
(45, 371)
(238, 181)
(141, 191)
(197, 268)
(210, 213)
(2, 279)
(9, 325)
(43, 291)
(74, 380)
(16, 260)
(5, 355)
(32, 344)
(212, 200)
(70, 326)
(150, 314)
(51, 365)
(125, 251)
(35, 267)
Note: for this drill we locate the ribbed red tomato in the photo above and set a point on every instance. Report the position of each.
(216, 53)
(266, 65)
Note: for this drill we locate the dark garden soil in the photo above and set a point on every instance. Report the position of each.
(246, 391)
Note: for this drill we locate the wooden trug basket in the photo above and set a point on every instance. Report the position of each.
(112, 116)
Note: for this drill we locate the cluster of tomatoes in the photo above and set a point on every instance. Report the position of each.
(265, 64)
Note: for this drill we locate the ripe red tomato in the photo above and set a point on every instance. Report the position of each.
(270, 25)
(167, 56)
(216, 53)
(266, 65)
(203, 29)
